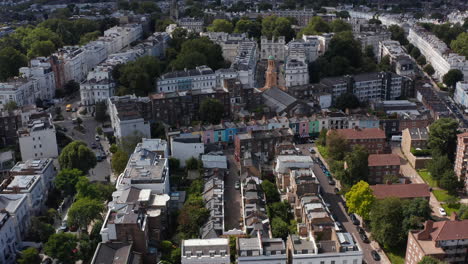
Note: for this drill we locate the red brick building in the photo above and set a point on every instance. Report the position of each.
(373, 139)
(461, 158)
(402, 191)
(444, 240)
(381, 165)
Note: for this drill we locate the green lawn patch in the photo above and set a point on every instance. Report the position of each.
(323, 151)
(427, 177)
(396, 255)
(441, 195)
(450, 208)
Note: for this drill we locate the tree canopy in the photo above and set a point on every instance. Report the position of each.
(271, 192)
(357, 165)
(429, 69)
(460, 44)
(221, 25)
(273, 26)
(315, 26)
(386, 219)
(77, 155)
(337, 145)
(62, 246)
(347, 100)
(10, 62)
(211, 111)
(29, 256)
(443, 137)
(119, 161)
(452, 77)
(137, 77)
(398, 34)
(67, 179)
(430, 260)
(360, 199)
(83, 211)
(197, 52)
(252, 28)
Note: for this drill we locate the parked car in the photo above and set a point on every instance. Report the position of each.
(237, 185)
(375, 255)
(354, 219)
(360, 230)
(364, 238)
(97, 138)
(331, 181)
(63, 227)
(442, 211)
(339, 225)
(47, 261)
(93, 145)
(337, 190)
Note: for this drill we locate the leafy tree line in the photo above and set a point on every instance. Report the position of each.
(28, 42)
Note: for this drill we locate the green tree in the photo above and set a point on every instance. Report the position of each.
(271, 192)
(429, 69)
(315, 26)
(100, 114)
(192, 216)
(344, 45)
(67, 179)
(386, 218)
(119, 161)
(174, 164)
(449, 181)
(10, 62)
(343, 14)
(40, 231)
(421, 60)
(460, 44)
(189, 61)
(347, 100)
(211, 111)
(191, 163)
(415, 212)
(322, 138)
(279, 228)
(40, 34)
(196, 52)
(113, 148)
(77, 155)
(29, 256)
(10, 106)
(88, 37)
(280, 210)
(438, 165)
(356, 161)
(443, 137)
(430, 260)
(96, 191)
(398, 34)
(452, 77)
(71, 87)
(99, 131)
(360, 199)
(339, 25)
(252, 28)
(463, 212)
(384, 64)
(221, 25)
(415, 53)
(62, 246)
(85, 210)
(337, 145)
(138, 76)
(264, 6)
(41, 48)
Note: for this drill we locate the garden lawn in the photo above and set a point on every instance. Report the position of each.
(441, 195)
(450, 208)
(396, 255)
(427, 177)
(323, 151)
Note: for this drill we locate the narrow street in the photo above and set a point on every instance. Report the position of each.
(232, 197)
(337, 209)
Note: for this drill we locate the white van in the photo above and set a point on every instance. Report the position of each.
(397, 138)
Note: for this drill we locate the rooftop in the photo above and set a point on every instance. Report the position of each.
(366, 133)
(383, 160)
(200, 70)
(415, 190)
(115, 253)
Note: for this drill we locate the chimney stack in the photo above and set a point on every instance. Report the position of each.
(425, 234)
(454, 216)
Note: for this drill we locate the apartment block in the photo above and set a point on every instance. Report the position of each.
(413, 139)
(382, 165)
(183, 147)
(273, 47)
(38, 138)
(41, 71)
(261, 142)
(200, 78)
(32, 186)
(191, 24)
(461, 94)
(286, 163)
(443, 240)
(97, 87)
(207, 251)
(229, 42)
(296, 73)
(10, 122)
(22, 91)
(245, 62)
(129, 115)
(10, 242)
(258, 250)
(399, 59)
(436, 52)
(373, 139)
(461, 158)
(17, 206)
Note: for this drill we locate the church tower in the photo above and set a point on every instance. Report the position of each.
(271, 76)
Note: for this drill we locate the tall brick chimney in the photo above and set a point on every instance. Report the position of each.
(426, 233)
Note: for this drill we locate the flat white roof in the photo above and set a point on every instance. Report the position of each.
(206, 242)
